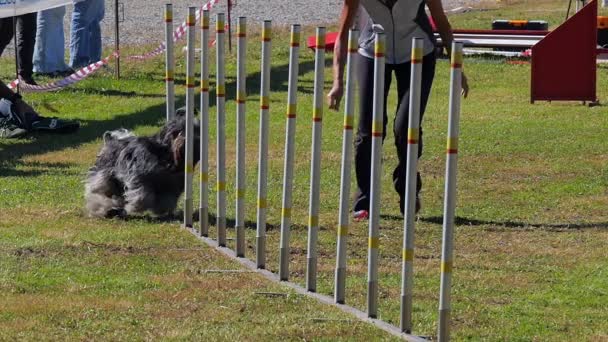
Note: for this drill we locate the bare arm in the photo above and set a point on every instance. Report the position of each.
(349, 11)
(445, 31)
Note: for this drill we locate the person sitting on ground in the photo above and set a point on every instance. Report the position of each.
(17, 118)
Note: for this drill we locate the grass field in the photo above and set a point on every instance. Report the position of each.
(530, 260)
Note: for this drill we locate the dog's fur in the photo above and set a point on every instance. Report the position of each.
(138, 174)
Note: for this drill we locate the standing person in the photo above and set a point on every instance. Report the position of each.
(49, 51)
(85, 33)
(26, 38)
(401, 20)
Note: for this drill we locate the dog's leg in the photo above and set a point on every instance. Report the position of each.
(100, 189)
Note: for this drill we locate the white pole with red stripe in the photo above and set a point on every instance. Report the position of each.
(449, 208)
(191, 41)
(241, 99)
(315, 161)
(169, 62)
(263, 144)
(290, 133)
(204, 149)
(221, 131)
(347, 151)
(409, 221)
(376, 177)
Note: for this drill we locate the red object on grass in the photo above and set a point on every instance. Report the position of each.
(564, 62)
(330, 41)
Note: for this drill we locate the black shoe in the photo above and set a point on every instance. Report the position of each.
(28, 80)
(55, 125)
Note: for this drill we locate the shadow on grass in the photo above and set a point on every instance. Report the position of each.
(11, 154)
(463, 221)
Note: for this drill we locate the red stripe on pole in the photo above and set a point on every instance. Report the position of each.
(456, 66)
(452, 151)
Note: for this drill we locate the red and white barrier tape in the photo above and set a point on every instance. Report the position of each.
(179, 33)
(73, 78)
(81, 74)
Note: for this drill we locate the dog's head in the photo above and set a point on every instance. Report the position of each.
(173, 135)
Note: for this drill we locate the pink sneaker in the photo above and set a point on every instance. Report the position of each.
(361, 215)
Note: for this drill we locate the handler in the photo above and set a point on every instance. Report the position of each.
(402, 20)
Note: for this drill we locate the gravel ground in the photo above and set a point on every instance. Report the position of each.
(143, 18)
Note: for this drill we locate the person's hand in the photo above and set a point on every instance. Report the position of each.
(465, 86)
(335, 96)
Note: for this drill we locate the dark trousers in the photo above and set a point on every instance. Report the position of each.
(26, 38)
(363, 140)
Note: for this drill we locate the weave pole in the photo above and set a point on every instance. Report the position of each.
(263, 143)
(347, 152)
(241, 99)
(169, 62)
(190, 31)
(315, 162)
(204, 150)
(221, 131)
(409, 221)
(449, 207)
(376, 177)
(290, 134)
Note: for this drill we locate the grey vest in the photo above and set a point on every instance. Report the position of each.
(407, 19)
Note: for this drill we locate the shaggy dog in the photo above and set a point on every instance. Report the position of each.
(138, 174)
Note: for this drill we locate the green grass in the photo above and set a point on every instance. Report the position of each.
(530, 254)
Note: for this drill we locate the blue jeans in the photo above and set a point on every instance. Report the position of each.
(49, 51)
(85, 34)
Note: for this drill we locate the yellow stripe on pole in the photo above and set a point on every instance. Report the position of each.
(377, 128)
(313, 221)
(204, 85)
(413, 135)
(408, 254)
(343, 230)
(190, 81)
(168, 16)
(286, 212)
(379, 49)
(317, 114)
(264, 102)
(457, 58)
(417, 55)
(190, 20)
(353, 45)
(262, 204)
(349, 121)
(219, 26)
(221, 186)
(169, 75)
(241, 97)
(204, 177)
(320, 41)
(266, 34)
(452, 144)
(446, 267)
(221, 90)
(374, 242)
(189, 168)
(291, 110)
(241, 30)
(295, 38)
(240, 193)
(205, 21)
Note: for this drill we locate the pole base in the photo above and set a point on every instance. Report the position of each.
(406, 314)
(444, 325)
(311, 274)
(372, 299)
(260, 252)
(284, 264)
(340, 286)
(240, 242)
(203, 221)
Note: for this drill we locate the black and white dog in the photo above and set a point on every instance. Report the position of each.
(138, 174)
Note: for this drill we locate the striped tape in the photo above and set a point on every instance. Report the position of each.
(264, 102)
(377, 128)
(221, 186)
(313, 221)
(457, 59)
(291, 110)
(413, 135)
(446, 267)
(417, 56)
(373, 242)
(349, 121)
(317, 114)
(190, 81)
(286, 212)
(241, 97)
(452, 145)
(204, 86)
(408, 254)
(169, 75)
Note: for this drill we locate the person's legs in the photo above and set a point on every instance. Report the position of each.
(363, 139)
(402, 117)
(6, 33)
(80, 35)
(49, 51)
(95, 31)
(26, 39)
